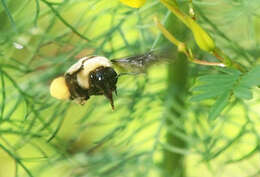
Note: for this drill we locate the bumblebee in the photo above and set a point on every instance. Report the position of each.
(95, 75)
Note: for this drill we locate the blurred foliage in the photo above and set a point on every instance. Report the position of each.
(41, 136)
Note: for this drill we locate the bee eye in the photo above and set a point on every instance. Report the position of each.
(111, 77)
(111, 74)
(97, 76)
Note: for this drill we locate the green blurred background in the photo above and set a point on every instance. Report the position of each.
(155, 129)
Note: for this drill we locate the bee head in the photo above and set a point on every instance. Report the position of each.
(103, 81)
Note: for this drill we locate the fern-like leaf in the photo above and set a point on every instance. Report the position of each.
(222, 86)
(249, 80)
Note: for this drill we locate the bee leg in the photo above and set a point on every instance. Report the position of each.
(76, 91)
(83, 94)
(116, 91)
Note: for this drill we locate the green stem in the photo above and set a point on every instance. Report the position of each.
(173, 163)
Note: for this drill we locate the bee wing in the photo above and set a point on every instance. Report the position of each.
(140, 63)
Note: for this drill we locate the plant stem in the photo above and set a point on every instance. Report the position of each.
(173, 163)
(182, 47)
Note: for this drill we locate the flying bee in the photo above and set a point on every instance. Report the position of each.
(96, 75)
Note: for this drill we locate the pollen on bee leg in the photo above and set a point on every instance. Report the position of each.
(59, 89)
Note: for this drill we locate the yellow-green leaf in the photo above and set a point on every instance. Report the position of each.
(202, 38)
(134, 3)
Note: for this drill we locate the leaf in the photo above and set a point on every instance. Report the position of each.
(134, 3)
(202, 38)
(214, 85)
(205, 96)
(249, 80)
(217, 78)
(9, 15)
(223, 85)
(243, 93)
(218, 86)
(252, 78)
(57, 14)
(219, 105)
